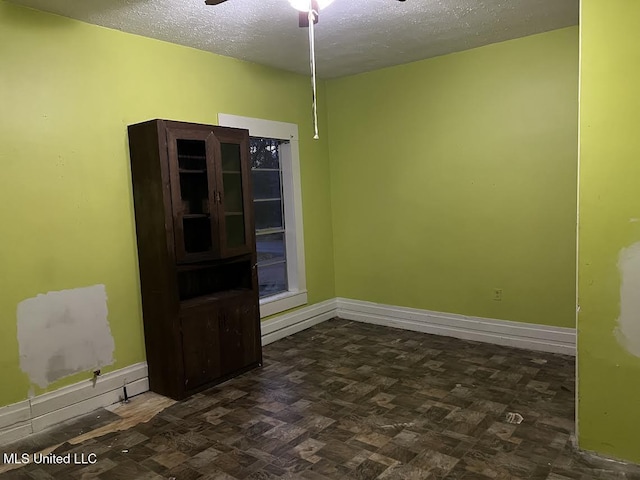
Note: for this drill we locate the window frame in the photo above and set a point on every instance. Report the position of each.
(296, 295)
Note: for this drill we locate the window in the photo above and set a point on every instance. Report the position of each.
(278, 211)
(268, 206)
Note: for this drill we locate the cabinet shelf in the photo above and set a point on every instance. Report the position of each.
(190, 216)
(187, 267)
(191, 157)
(192, 170)
(237, 172)
(214, 297)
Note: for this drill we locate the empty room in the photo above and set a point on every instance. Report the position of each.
(324, 239)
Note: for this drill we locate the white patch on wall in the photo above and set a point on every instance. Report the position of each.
(628, 330)
(65, 332)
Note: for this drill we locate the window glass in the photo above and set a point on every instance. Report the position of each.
(268, 205)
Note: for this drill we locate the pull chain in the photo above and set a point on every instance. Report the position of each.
(312, 60)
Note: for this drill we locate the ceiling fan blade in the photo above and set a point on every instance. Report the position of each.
(214, 2)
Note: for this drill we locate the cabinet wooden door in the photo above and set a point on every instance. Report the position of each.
(200, 345)
(193, 193)
(252, 347)
(235, 208)
(238, 324)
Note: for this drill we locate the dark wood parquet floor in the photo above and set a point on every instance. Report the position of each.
(346, 400)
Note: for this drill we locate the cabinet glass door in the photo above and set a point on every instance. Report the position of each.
(234, 183)
(191, 154)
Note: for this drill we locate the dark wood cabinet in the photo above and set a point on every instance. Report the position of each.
(196, 251)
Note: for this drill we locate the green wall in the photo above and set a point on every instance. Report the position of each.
(609, 392)
(67, 92)
(449, 177)
(455, 176)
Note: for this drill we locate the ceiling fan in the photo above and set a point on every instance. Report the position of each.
(307, 17)
(303, 6)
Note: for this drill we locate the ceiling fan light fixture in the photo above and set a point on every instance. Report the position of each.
(303, 5)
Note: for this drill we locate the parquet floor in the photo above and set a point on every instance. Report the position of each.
(346, 400)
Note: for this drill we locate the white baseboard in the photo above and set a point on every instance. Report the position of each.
(38, 413)
(84, 397)
(296, 321)
(82, 391)
(15, 433)
(34, 415)
(15, 422)
(500, 332)
(14, 414)
(89, 405)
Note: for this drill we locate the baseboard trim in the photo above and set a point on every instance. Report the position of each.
(500, 332)
(84, 397)
(30, 416)
(38, 413)
(14, 414)
(82, 391)
(296, 321)
(19, 420)
(15, 433)
(15, 422)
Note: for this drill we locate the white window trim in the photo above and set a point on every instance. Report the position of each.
(292, 191)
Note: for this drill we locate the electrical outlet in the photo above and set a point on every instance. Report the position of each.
(497, 294)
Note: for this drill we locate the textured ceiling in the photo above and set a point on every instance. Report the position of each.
(352, 36)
